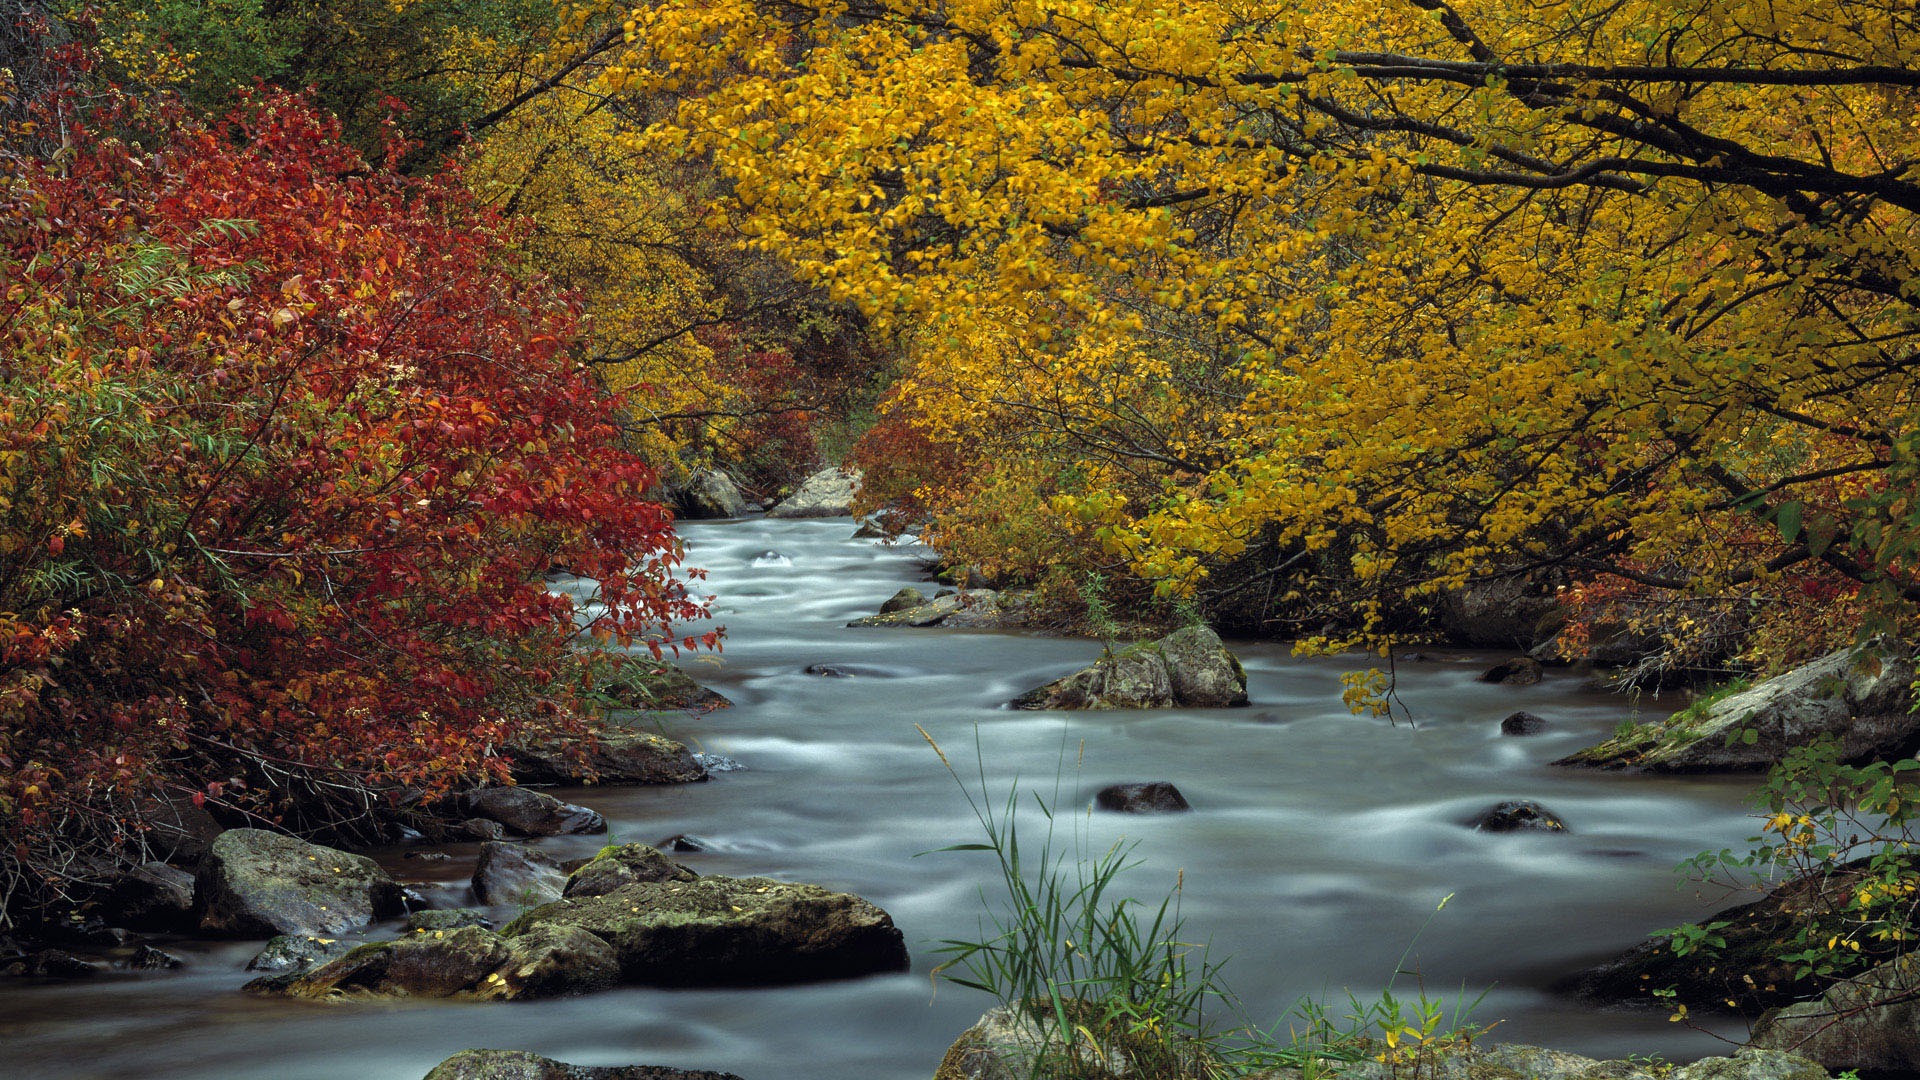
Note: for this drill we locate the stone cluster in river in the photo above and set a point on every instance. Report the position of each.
(1189, 668)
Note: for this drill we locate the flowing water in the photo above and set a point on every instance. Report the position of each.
(1319, 846)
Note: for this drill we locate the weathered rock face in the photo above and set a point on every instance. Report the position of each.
(521, 1065)
(531, 813)
(1860, 698)
(970, 609)
(827, 493)
(708, 494)
(1747, 970)
(1152, 797)
(1869, 1023)
(516, 874)
(1518, 815)
(623, 864)
(1188, 668)
(254, 883)
(719, 931)
(447, 919)
(613, 756)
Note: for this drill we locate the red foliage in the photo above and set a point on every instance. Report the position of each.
(287, 444)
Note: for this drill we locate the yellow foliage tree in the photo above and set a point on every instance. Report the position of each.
(1424, 290)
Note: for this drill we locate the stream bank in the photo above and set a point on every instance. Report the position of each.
(1318, 846)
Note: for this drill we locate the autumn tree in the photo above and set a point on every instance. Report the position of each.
(287, 445)
(1415, 291)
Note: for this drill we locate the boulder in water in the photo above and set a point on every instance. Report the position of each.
(293, 953)
(516, 874)
(1152, 797)
(709, 494)
(827, 493)
(718, 931)
(1518, 815)
(611, 756)
(1519, 671)
(974, 609)
(254, 883)
(1189, 668)
(1522, 723)
(903, 600)
(531, 813)
(623, 864)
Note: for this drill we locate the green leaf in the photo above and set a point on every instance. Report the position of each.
(1787, 516)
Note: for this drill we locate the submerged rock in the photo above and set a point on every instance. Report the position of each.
(254, 883)
(827, 493)
(1518, 815)
(521, 1065)
(1862, 697)
(1189, 668)
(531, 813)
(719, 931)
(1152, 797)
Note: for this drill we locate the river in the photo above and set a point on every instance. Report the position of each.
(1319, 846)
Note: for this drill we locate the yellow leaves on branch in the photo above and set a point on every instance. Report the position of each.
(1442, 287)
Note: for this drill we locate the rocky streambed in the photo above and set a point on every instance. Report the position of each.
(1314, 845)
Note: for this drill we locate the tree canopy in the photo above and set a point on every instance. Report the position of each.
(1422, 290)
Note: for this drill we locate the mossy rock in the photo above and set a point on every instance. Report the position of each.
(623, 864)
(1861, 697)
(1189, 668)
(521, 1065)
(718, 931)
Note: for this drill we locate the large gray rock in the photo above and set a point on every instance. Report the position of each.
(521, 1065)
(254, 883)
(612, 756)
(718, 931)
(531, 813)
(516, 874)
(827, 493)
(1860, 696)
(1189, 668)
(707, 494)
(1008, 1045)
(1870, 1023)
